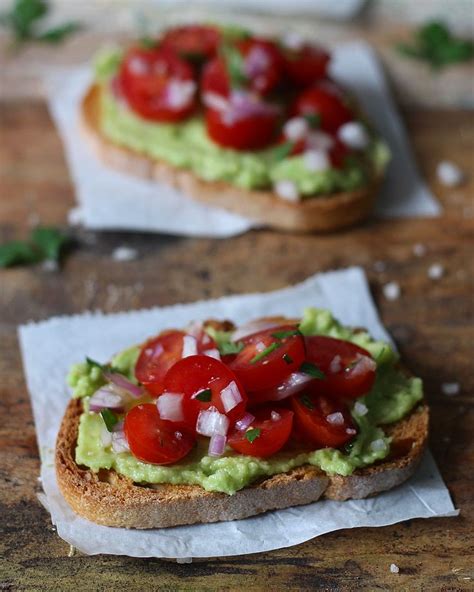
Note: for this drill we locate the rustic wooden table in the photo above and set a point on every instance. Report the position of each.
(431, 321)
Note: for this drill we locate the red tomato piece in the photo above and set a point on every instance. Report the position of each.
(325, 101)
(156, 358)
(158, 84)
(263, 64)
(197, 375)
(160, 353)
(306, 65)
(242, 131)
(322, 421)
(349, 369)
(155, 440)
(286, 352)
(271, 429)
(215, 79)
(193, 42)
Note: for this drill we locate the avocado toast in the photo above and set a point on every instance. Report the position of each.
(297, 155)
(377, 438)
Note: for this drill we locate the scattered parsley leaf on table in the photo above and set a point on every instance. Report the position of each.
(25, 16)
(44, 244)
(435, 44)
(18, 253)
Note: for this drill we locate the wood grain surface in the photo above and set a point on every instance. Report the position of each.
(432, 322)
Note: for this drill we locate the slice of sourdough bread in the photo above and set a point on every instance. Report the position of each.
(111, 499)
(323, 213)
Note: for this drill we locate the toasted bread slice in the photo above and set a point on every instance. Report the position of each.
(323, 213)
(111, 499)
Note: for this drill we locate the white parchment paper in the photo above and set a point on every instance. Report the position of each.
(50, 347)
(111, 200)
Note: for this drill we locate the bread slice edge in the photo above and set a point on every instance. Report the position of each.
(111, 499)
(325, 213)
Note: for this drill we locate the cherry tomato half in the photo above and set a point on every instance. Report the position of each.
(349, 369)
(262, 64)
(155, 440)
(214, 78)
(194, 377)
(322, 421)
(242, 129)
(158, 84)
(267, 434)
(197, 43)
(306, 65)
(285, 354)
(325, 101)
(160, 353)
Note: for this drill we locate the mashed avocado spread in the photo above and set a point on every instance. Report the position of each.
(391, 398)
(187, 145)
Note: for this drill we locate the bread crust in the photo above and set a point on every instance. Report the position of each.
(324, 213)
(111, 499)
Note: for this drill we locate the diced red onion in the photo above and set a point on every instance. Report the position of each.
(336, 418)
(170, 406)
(215, 101)
(336, 364)
(189, 346)
(217, 445)
(243, 104)
(212, 353)
(194, 329)
(118, 427)
(275, 416)
(106, 398)
(210, 422)
(252, 328)
(180, 93)
(295, 383)
(244, 422)
(256, 62)
(123, 383)
(230, 396)
(119, 442)
(362, 365)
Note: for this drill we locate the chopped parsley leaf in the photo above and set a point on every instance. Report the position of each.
(110, 419)
(264, 353)
(252, 434)
(312, 370)
(204, 396)
(306, 400)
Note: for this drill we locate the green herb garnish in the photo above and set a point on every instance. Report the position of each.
(312, 370)
(204, 396)
(314, 119)
(235, 65)
(110, 419)
(288, 359)
(306, 400)
(25, 16)
(252, 434)
(435, 44)
(102, 367)
(264, 353)
(285, 334)
(44, 244)
(282, 151)
(230, 348)
(18, 253)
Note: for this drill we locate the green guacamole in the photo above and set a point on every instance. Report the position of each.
(187, 145)
(391, 398)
